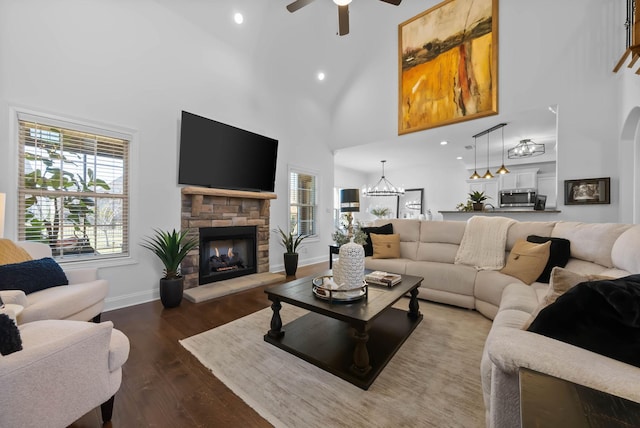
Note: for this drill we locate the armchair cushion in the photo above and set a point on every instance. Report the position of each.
(10, 341)
(32, 275)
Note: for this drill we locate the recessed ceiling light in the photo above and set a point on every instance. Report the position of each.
(238, 18)
(444, 143)
(459, 158)
(321, 76)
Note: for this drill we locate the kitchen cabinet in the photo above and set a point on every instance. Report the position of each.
(519, 179)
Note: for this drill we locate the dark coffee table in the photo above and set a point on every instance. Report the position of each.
(354, 341)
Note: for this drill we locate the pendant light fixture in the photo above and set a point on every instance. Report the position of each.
(383, 187)
(475, 174)
(526, 149)
(503, 169)
(488, 174)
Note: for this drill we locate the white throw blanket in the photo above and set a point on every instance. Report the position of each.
(483, 242)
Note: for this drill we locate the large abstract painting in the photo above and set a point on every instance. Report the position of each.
(448, 65)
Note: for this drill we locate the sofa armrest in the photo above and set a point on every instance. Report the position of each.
(512, 348)
(78, 276)
(16, 297)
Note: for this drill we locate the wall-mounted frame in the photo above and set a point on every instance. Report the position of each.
(587, 191)
(410, 205)
(448, 65)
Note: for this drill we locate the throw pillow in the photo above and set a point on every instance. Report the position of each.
(31, 276)
(386, 229)
(386, 246)
(559, 254)
(562, 280)
(527, 260)
(12, 253)
(601, 316)
(10, 340)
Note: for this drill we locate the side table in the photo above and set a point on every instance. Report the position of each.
(333, 249)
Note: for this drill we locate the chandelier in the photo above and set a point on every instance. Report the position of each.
(526, 149)
(383, 187)
(413, 205)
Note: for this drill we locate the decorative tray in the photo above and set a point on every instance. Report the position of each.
(322, 290)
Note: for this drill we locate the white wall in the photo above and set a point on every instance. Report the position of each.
(137, 65)
(550, 53)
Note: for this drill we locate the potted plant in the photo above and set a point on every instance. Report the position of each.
(380, 212)
(290, 242)
(477, 199)
(171, 248)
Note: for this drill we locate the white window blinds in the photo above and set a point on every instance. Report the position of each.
(302, 203)
(73, 188)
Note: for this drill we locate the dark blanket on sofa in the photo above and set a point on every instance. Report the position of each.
(601, 316)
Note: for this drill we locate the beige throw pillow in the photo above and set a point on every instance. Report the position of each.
(386, 246)
(11, 253)
(527, 260)
(562, 280)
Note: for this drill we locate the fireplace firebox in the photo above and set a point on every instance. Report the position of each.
(227, 252)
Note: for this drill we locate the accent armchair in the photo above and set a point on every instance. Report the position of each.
(82, 299)
(64, 370)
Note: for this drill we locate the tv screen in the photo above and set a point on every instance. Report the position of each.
(213, 154)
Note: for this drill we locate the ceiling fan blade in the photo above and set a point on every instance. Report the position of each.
(343, 20)
(393, 2)
(297, 5)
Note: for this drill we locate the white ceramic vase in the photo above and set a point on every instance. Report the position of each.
(348, 271)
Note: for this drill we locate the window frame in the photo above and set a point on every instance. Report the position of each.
(83, 126)
(292, 169)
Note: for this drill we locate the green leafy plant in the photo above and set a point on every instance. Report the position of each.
(171, 248)
(380, 212)
(478, 197)
(341, 236)
(290, 241)
(465, 206)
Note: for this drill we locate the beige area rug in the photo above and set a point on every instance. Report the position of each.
(432, 381)
(216, 289)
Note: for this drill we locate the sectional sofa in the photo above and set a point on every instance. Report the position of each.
(429, 248)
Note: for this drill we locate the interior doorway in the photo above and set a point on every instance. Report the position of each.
(629, 165)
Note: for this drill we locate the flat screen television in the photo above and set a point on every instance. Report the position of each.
(213, 154)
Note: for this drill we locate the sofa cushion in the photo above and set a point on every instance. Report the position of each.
(522, 229)
(32, 275)
(624, 253)
(386, 246)
(592, 242)
(601, 316)
(527, 260)
(12, 253)
(386, 229)
(559, 254)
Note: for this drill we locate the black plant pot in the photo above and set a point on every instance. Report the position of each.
(171, 292)
(290, 263)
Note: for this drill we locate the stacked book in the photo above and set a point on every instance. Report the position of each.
(382, 278)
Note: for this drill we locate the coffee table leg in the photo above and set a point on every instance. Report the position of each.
(414, 311)
(276, 321)
(361, 366)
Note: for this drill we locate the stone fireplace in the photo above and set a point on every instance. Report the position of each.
(226, 219)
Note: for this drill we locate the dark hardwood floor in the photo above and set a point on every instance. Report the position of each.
(163, 385)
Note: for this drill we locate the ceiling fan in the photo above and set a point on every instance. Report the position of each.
(343, 11)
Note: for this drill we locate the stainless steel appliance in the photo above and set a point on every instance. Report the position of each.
(517, 198)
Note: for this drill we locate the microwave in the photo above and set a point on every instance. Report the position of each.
(517, 198)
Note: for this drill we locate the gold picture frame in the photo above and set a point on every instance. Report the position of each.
(448, 65)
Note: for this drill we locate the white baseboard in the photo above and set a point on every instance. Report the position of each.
(132, 299)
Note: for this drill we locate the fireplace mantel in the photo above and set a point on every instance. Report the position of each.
(197, 194)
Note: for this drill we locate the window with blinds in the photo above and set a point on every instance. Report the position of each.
(302, 203)
(73, 188)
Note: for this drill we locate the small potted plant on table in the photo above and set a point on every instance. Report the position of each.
(477, 199)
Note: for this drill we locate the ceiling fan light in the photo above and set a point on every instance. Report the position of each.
(342, 2)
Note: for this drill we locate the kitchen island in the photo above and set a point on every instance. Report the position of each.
(516, 214)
